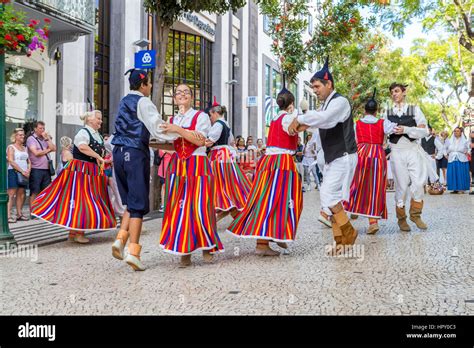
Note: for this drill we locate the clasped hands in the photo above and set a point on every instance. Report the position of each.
(296, 127)
(173, 128)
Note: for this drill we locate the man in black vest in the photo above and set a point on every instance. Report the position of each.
(336, 129)
(428, 144)
(409, 164)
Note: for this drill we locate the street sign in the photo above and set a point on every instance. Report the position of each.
(145, 59)
(252, 101)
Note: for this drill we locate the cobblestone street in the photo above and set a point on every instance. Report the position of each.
(391, 273)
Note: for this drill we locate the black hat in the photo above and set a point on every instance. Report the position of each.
(371, 105)
(283, 90)
(136, 76)
(324, 73)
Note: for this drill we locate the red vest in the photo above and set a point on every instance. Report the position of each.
(277, 137)
(185, 148)
(370, 133)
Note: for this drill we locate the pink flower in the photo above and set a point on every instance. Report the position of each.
(42, 34)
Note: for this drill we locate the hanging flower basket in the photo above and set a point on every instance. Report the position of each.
(17, 35)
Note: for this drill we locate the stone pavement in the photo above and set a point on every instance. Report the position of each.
(391, 273)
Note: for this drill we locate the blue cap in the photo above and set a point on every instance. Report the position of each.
(324, 73)
(136, 76)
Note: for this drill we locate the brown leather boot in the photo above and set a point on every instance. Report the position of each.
(119, 244)
(133, 257)
(349, 233)
(402, 220)
(415, 214)
(337, 234)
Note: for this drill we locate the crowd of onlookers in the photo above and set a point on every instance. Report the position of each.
(30, 162)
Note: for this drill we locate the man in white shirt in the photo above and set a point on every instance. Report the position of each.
(408, 161)
(336, 129)
(137, 121)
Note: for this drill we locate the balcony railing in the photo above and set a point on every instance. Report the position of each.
(76, 10)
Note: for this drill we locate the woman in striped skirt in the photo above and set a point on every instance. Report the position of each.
(77, 199)
(231, 185)
(368, 189)
(275, 201)
(189, 222)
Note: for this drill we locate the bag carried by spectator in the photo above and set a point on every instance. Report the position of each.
(21, 179)
(50, 161)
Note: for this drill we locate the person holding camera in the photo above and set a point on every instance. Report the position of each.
(39, 145)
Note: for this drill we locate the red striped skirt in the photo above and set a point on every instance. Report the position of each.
(368, 189)
(189, 223)
(231, 185)
(275, 202)
(77, 199)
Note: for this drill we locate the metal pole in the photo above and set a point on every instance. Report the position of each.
(6, 238)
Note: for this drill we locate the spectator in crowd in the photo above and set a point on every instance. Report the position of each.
(441, 156)
(250, 145)
(18, 173)
(163, 159)
(260, 148)
(241, 147)
(457, 148)
(309, 163)
(66, 153)
(39, 145)
(428, 145)
(299, 158)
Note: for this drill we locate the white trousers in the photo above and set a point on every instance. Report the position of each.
(337, 181)
(410, 173)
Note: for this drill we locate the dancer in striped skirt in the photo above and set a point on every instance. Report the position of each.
(275, 200)
(368, 190)
(77, 199)
(231, 185)
(189, 222)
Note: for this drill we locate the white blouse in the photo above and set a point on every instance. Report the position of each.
(203, 126)
(457, 149)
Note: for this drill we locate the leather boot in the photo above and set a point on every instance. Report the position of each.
(185, 261)
(119, 244)
(338, 248)
(402, 220)
(349, 233)
(133, 257)
(415, 214)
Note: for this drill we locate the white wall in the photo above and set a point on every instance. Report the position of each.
(132, 34)
(74, 103)
(46, 86)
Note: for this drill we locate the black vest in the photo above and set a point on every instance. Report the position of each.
(224, 138)
(97, 147)
(429, 145)
(339, 140)
(406, 120)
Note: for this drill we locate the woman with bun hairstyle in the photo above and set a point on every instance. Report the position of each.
(275, 200)
(77, 199)
(231, 185)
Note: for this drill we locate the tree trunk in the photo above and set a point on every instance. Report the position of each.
(160, 44)
(160, 37)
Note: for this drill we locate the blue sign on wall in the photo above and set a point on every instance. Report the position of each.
(145, 59)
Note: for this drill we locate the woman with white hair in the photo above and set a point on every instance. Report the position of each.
(66, 153)
(457, 148)
(77, 199)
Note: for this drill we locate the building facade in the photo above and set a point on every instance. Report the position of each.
(93, 42)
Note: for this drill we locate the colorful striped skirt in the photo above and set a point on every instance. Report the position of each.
(231, 185)
(77, 199)
(458, 176)
(189, 223)
(275, 202)
(368, 189)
